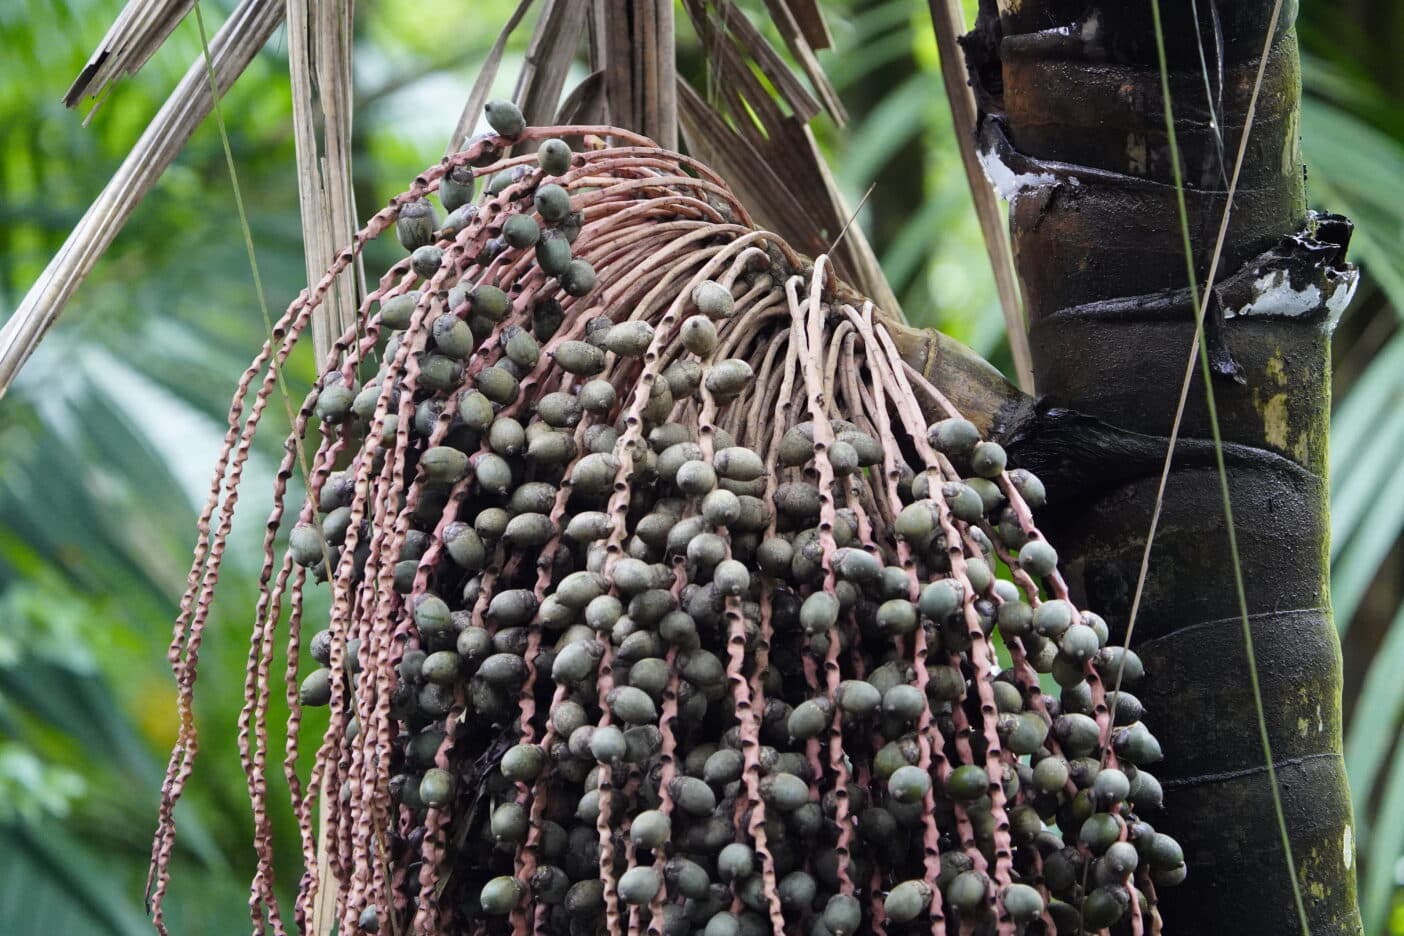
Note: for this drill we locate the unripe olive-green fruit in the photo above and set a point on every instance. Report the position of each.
(737, 463)
(1104, 906)
(305, 544)
(397, 311)
(553, 253)
(722, 767)
(607, 744)
(698, 335)
(426, 260)
(687, 878)
(916, 521)
(968, 782)
(941, 599)
(1052, 618)
(497, 384)
(979, 574)
(552, 202)
(735, 862)
(797, 891)
(1023, 903)
(520, 347)
(897, 617)
(955, 437)
(858, 698)
(500, 895)
(843, 915)
(1024, 732)
(509, 822)
(909, 784)
(785, 791)
(631, 705)
(692, 795)
(436, 787)
(521, 231)
(904, 703)
(505, 118)
(727, 379)
(1115, 662)
(819, 613)
(629, 339)
(857, 565)
(809, 718)
(987, 459)
(650, 829)
(452, 336)
(1038, 558)
(415, 224)
(1111, 786)
(907, 901)
(713, 299)
(1099, 830)
(963, 502)
(1136, 744)
(432, 617)
(1051, 774)
(578, 278)
(441, 667)
(967, 893)
(580, 358)
(1120, 859)
(554, 156)
(1163, 852)
(316, 688)
(443, 464)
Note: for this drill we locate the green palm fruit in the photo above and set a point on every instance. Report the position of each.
(785, 791)
(843, 915)
(968, 892)
(1023, 903)
(735, 862)
(1078, 734)
(797, 891)
(713, 299)
(1038, 558)
(521, 231)
(1104, 906)
(809, 718)
(415, 224)
(553, 253)
(1121, 858)
(687, 878)
(500, 895)
(698, 335)
(1136, 744)
(909, 784)
(857, 698)
(316, 688)
(505, 119)
(737, 463)
(819, 613)
(426, 260)
(552, 202)
(578, 278)
(1099, 830)
(1024, 732)
(955, 437)
(436, 787)
(987, 459)
(1052, 618)
(1145, 792)
(1051, 774)
(1115, 661)
(907, 901)
(727, 379)
(692, 795)
(904, 703)
(897, 617)
(979, 574)
(941, 599)
(554, 156)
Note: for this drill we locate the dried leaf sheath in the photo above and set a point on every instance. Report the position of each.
(657, 605)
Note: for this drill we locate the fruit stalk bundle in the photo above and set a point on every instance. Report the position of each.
(658, 605)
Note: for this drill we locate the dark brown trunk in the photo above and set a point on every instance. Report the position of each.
(1073, 113)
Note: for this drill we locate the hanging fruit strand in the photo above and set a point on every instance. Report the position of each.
(656, 604)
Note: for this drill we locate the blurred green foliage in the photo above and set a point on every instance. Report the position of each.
(106, 441)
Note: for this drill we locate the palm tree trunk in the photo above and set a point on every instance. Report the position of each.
(1074, 130)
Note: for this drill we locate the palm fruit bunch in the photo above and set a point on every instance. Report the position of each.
(659, 602)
